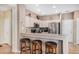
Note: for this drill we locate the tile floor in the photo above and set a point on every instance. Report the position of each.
(72, 49)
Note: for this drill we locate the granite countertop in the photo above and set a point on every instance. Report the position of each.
(43, 35)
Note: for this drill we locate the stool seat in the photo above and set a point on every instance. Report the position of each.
(37, 47)
(51, 43)
(50, 47)
(25, 46)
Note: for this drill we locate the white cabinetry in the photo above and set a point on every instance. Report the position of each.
(77, 40)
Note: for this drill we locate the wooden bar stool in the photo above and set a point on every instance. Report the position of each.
(50, 47)
(25, 46)
(36, 47)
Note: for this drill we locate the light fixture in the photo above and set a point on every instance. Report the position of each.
(36, 5)
(53, 6)
(38, 10)
(56, 11)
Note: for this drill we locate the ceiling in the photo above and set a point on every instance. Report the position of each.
(48, 9)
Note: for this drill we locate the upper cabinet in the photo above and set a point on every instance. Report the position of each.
(67, 16)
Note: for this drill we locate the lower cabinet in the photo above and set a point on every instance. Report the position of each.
(28, 46)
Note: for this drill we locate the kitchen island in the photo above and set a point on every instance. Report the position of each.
(60, 39)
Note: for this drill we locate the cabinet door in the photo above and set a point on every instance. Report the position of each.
(5, 27)
(67, 29)
(77, 40)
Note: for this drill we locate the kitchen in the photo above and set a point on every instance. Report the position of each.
(41, 28)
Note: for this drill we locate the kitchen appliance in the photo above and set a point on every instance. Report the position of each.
(40, 30)
(54, 28)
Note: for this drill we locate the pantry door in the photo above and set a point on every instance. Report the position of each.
(67, 29)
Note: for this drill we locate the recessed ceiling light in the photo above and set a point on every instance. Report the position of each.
(56, 11)
(38, 10)
(53, 6)
(37, 5)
